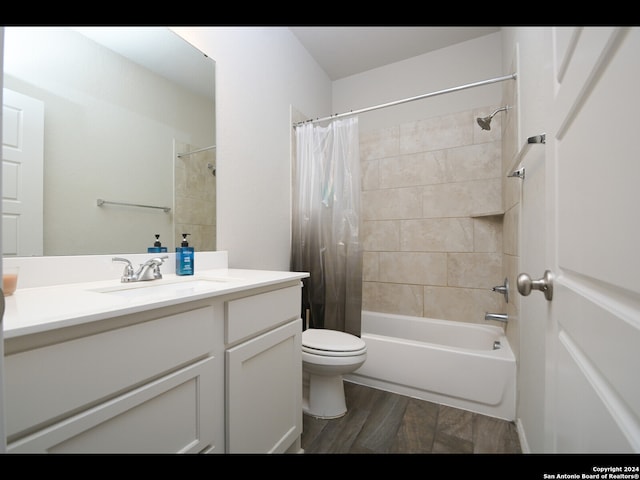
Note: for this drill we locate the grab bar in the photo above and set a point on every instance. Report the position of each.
(101, 202)
(519, 172)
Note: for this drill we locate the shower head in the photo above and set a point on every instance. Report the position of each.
(485, 122)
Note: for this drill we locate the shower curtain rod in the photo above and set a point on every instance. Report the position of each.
(511, 76)
(180, 155)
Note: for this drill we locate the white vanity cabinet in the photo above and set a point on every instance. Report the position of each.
(221, 373)
(264, 372)
(144, 383)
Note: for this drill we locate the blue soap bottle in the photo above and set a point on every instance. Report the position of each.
(184, 257)
(157, 246)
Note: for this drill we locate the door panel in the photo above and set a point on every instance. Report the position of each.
(593, 322)
(22, 174)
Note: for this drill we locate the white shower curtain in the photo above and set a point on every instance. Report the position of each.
(326, 220)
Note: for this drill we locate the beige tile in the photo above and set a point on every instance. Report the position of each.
(472, 162)
(392, 298)
(395, 203)
(202, 238)
(510, 230)
(379, 235)
(408, 170)
(370, 266)
(510, 148)
(208, 237)
(487, 234)
(462, 199)
(422, 182)
(436, 133)
(379, 143)
(460, 304)
(413, 268)
(437, 235)
(474, 270)
(511, 269)
(194, 210)
(510, 140)
(512, 190)
(369, 172)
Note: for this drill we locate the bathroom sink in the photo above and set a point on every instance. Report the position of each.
(173, 289)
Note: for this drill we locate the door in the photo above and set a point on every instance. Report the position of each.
(3, 443)
(22, 174)
(592, 235)
(264, 391)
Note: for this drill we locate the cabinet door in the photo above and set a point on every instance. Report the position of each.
(173, 414)
(264, 391)
(53, 381)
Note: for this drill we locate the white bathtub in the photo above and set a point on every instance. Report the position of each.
(450, 363)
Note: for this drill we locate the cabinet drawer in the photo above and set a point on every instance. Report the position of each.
(168, 415)
(249, 316)
(47, 384)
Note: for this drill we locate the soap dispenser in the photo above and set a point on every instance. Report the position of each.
(157, 246)
(184, 257)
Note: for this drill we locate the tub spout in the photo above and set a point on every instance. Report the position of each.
(500, 317)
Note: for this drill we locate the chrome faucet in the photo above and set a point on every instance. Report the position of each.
(500, 317)
(149, 270)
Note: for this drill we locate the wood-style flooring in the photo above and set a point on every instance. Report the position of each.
(382, 422)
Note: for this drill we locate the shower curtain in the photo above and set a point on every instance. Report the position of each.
(325, 226)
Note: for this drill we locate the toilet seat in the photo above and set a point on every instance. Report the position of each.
(331, 343)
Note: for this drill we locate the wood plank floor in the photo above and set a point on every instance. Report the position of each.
(382, 422)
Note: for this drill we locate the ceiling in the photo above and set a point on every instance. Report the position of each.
(344, 51)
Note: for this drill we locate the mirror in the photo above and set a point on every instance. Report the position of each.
(108, 140)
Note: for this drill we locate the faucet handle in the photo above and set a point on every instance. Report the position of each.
(153, 265)
(128, 274)
(159, 260)
(503, 289)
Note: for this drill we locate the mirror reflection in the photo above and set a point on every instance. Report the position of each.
(108, 141)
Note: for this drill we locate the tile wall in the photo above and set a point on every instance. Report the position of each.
(511, 189)
(195, 198)
(433, 217)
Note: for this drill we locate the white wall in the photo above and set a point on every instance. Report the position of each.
(461, 64)
(526, 45)
(260, 73)
(528, 42)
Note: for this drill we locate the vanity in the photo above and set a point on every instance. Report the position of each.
(209, 363)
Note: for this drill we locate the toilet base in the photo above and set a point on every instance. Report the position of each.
(323, 396)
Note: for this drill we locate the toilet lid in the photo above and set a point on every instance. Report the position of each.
(329, 342)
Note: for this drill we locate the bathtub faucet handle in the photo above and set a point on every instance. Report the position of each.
(503, 289)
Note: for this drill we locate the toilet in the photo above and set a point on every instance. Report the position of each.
(326, 356)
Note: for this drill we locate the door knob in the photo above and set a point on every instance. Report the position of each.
(544, 284)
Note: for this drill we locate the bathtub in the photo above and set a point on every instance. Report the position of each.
(463, 365)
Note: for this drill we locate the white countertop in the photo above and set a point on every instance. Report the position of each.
(41, 309)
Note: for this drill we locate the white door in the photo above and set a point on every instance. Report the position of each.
(592, 236)
(22, 174)
(3, 443)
